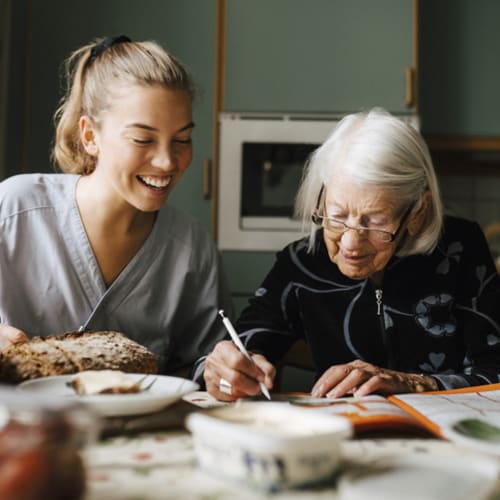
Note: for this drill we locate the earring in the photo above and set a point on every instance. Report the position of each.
(91, 149)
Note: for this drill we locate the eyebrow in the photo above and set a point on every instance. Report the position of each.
(147, 127)
(334, 206)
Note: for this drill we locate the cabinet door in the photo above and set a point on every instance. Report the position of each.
(317, 56)
(55, 28)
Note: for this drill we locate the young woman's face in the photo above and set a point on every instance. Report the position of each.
(357, 254)
(143, 144)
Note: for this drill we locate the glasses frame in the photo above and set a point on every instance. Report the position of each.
(319, 219)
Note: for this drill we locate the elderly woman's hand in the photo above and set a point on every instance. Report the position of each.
(360, 378)
(10, 335)
(229, 375)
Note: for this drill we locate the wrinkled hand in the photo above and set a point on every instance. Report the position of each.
(360, 378)
(227, 362)
(11, 335)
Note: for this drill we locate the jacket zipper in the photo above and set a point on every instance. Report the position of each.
(378, 298)
(385, 337)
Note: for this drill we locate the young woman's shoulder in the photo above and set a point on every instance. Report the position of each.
(30, 191)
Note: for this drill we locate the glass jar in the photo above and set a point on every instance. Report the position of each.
(40, 447)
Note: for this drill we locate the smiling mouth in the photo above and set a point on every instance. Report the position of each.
(153, 182)
(355, 258)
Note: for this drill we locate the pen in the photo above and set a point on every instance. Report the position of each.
(241, 347)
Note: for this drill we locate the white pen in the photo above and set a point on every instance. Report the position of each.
(234, 336)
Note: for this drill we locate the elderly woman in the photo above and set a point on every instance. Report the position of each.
(389, 295)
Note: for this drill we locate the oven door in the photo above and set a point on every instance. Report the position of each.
(271, 175)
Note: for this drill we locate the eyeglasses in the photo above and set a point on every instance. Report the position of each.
(338, 227)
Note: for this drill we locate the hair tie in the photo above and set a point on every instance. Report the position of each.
(99, 48)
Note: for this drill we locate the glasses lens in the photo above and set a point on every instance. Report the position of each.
(339, 227)
(335, 225)
(378, 235)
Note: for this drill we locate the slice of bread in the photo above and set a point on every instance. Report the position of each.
(74, 352)
(91, 382)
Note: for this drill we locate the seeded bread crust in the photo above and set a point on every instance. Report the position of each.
(74, 352)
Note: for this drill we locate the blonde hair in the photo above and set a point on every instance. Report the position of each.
(92, 79)
(382, 150)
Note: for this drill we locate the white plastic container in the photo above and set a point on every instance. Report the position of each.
(270, 446)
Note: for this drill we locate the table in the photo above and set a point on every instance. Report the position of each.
(161, 465)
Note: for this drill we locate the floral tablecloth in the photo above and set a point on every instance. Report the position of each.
(161, 465)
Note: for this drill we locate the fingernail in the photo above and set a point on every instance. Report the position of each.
(332, 394)
(317, 392)
(359, 393)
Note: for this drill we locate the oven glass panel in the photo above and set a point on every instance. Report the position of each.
(271, 176)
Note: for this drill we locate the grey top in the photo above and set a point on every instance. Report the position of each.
(166, 298)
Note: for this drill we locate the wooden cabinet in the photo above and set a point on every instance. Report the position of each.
(320, 56)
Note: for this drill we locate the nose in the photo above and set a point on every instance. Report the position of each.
(353, 237)
(163, 158)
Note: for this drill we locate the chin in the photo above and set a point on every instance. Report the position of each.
(357, 277)
(354, 274)
(149, 207)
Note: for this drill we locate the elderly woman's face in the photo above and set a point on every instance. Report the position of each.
(357, 253)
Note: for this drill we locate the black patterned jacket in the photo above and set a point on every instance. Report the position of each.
(436, 314)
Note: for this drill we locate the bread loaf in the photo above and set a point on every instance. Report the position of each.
(74, 352)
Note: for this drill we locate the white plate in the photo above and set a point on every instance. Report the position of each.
(418, 476)
(165, 391)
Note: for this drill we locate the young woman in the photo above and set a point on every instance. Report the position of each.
(97, 247)
(390, 295)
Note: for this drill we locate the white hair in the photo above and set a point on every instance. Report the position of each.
(382, 150)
